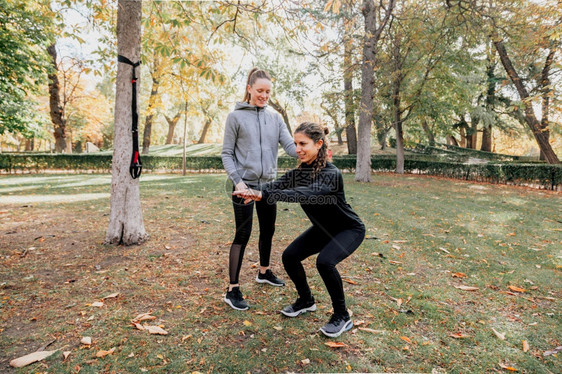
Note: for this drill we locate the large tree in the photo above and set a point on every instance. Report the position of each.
(126, 224)
(374, 26)
(25, 33)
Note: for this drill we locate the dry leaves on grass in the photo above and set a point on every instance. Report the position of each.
(467, 288)
(459, 335)
(366, 329)
(508, 368)
(103, 353)
(498, 334)
(86, 340)
(336, 344)
(517, 289)
(553, 351)
(111, 296)
(525, 346)
(31, 358)
(143, 317)
(155, 330)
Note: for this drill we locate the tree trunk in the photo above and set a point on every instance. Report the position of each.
(428, 132)
(277, 106)
(546, 90)
(172, 122)
(490, 100)
(530, 118)
(206, 127)
(126, 224)
(350, 130)
(372, 36)
(55, 107)
(396, 101)
(29, 144)
(152, 104)
(451, 140)
(486, 139)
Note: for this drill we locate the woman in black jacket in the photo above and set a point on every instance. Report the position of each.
(336, 230)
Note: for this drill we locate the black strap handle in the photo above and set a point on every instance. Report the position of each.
(136, 165)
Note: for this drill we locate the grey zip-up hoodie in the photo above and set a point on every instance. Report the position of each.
(251, 138)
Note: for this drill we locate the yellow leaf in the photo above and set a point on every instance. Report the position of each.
(516, 289)
(509, 368)
(525, 346)
(406, 339)
(247, 323)
(328, 5)
(350, 281)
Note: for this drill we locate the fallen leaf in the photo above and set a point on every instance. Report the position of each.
(399, 302)
(406, 339)
(138, 325)
(397, 247)
(111, 296)
(247, 323)
(553, 351)
(98, 304)
(30, 358)
(498, 334)
(306, 361)
(509, 368)
(370, 330)
(459, 275)
(395, 262)
(350, 281)
(444, 250)
(467, 288)
(65, 354)
(278, 328)
(143, 317)
(86, 340)
(458, 335)
(155, 330)
(525, 346)
(335, 344)
(103, 353)
(517, 289)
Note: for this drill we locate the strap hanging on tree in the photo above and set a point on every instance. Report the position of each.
(136, 166)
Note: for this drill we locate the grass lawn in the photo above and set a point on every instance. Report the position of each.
(426, 238)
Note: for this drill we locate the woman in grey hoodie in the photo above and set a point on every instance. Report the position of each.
(249, 155)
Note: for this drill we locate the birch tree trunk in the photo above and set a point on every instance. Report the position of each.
(126, 225)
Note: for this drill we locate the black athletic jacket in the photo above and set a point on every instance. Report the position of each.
(321, 198)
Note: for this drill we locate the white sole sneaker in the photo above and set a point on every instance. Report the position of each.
(265, 281)
(348, 326)
(226, 300)
(300, 311)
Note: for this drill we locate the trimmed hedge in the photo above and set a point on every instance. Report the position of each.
(536, 174)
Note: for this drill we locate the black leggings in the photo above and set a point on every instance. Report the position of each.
(331, 249)
(243, 216)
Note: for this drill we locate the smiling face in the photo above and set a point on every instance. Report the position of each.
(307, 149)
(259, 92)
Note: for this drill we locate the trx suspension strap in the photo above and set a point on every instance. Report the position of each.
(136, 166)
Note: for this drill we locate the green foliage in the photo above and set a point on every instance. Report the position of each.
(544, 175)
(25, 34)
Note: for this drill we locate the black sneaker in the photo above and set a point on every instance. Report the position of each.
(235, 299)
(299, 307)
(269, 278)
(337, 325)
